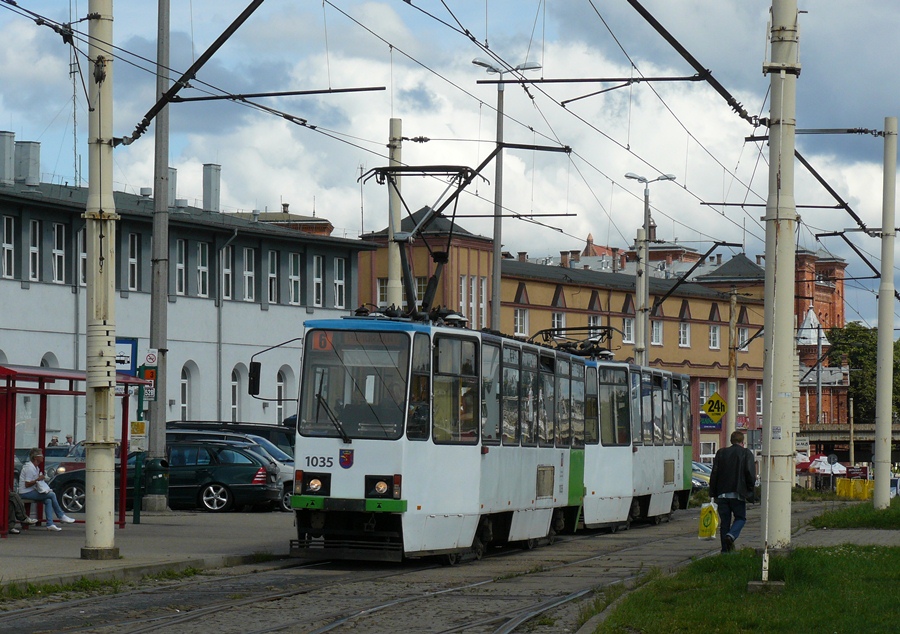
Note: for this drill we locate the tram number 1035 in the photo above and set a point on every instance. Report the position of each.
(319, 461)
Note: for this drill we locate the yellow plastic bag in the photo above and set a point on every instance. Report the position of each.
(709, 521)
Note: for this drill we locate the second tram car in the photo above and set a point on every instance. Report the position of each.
(418, 439)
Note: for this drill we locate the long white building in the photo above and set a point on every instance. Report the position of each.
(236, 286)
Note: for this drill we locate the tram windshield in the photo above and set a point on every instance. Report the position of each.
(354, 384)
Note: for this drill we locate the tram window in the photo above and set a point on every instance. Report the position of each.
(530, 389)
(591, 413)
(455, 409)
(635, 380)
(417, 427)
(677, 411)
(657, 396)
(546, 409)
(615, 406)
(647, 408)
(688, 412)
(667, 411)
(510, 391)
(490, 394)
(577, 409)
(563, 404)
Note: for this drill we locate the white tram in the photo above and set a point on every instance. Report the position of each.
(418, 439)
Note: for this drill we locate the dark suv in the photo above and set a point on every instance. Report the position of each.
(279, 435)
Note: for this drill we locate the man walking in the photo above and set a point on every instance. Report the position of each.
(731, 486)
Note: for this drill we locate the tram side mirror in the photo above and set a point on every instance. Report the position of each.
(253, 383)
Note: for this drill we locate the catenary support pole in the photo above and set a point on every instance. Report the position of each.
(394, 284)
(781, 220)
(885, 357)
(497, 253)
(100, 220)
(159, 283)
(731, 413)
(641, 336)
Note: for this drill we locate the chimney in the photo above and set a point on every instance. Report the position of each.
(256, 215)
(759, 259)
(615, 259)
(718, 259)
(622, 260)
(181, 203)
(146, 192)
(575, 255)
(652, 231)
(28, 163)
(7, 159)
(212, 177)
(523, 256)
(564, 259)
(284, 207)
(173, 187)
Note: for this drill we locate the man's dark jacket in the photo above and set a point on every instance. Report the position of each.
(734, 471)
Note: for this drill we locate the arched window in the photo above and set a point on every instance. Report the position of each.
(185, 393)
(280, 395)
(235, 396)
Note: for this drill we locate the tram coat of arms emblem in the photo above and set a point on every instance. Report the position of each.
(346, 458)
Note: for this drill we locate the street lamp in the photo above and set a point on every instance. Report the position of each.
(642, 336)
(498, 185)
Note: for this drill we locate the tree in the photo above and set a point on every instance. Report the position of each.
(860, 345)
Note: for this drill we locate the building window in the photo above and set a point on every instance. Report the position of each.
(473, 300)
(558, 321)
(227, 272)
(714, 337)
(594, 324)
(272, 277)
(463, 287)
(520, 322)
(180, 263)
(9, 249)
(482, 302)
(249, 276)
(185, 394)
(235, 396)
(382, 291)
(202, 269)
(82, 257)
(708, 451)
(133, 261)
(318, 280)
(421, 287)
(59, 253)
(684, 335)
(707, 389)
(294, 278)
(759, 402)
(340, 283)
(279, 396)
(743, 336)
(628, 330)
(34, 251)
(742, 398)
(656, 332)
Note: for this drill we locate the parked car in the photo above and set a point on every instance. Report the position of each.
(263, 446)
(211, 475)
(700, 476)
(283, 437)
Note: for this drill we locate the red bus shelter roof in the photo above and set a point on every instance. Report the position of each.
(36, 374)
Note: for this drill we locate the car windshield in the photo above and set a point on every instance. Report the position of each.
(274, 450)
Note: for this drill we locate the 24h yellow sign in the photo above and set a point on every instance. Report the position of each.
(715, 407)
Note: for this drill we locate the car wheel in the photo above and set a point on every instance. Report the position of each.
(286, 493)
(71, 497)
(215, 498)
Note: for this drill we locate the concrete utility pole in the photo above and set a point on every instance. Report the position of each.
(731, 413)
(394, 284)
(885, 364)
(100, 215)
(781, 220)
(159, 283)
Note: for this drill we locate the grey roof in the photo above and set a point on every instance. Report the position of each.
(738, 269)
(74, 199)
(602, 279)
(439, 225)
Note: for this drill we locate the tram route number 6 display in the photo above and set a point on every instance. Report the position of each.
(715, 407)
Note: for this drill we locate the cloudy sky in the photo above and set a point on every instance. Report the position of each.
(421, 52)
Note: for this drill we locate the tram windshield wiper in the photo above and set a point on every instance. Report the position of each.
(334, 420)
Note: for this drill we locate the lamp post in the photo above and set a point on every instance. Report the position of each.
(498, 187)
(642, 334)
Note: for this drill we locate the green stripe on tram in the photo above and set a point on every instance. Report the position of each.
(317, 503)
(576, 477)
(688, 466)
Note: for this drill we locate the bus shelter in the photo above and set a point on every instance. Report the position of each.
(44, 383)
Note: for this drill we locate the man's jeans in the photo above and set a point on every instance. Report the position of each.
(727, 508)
(51, 504)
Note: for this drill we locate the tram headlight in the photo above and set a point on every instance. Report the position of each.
(381, 487)
(314, 486)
